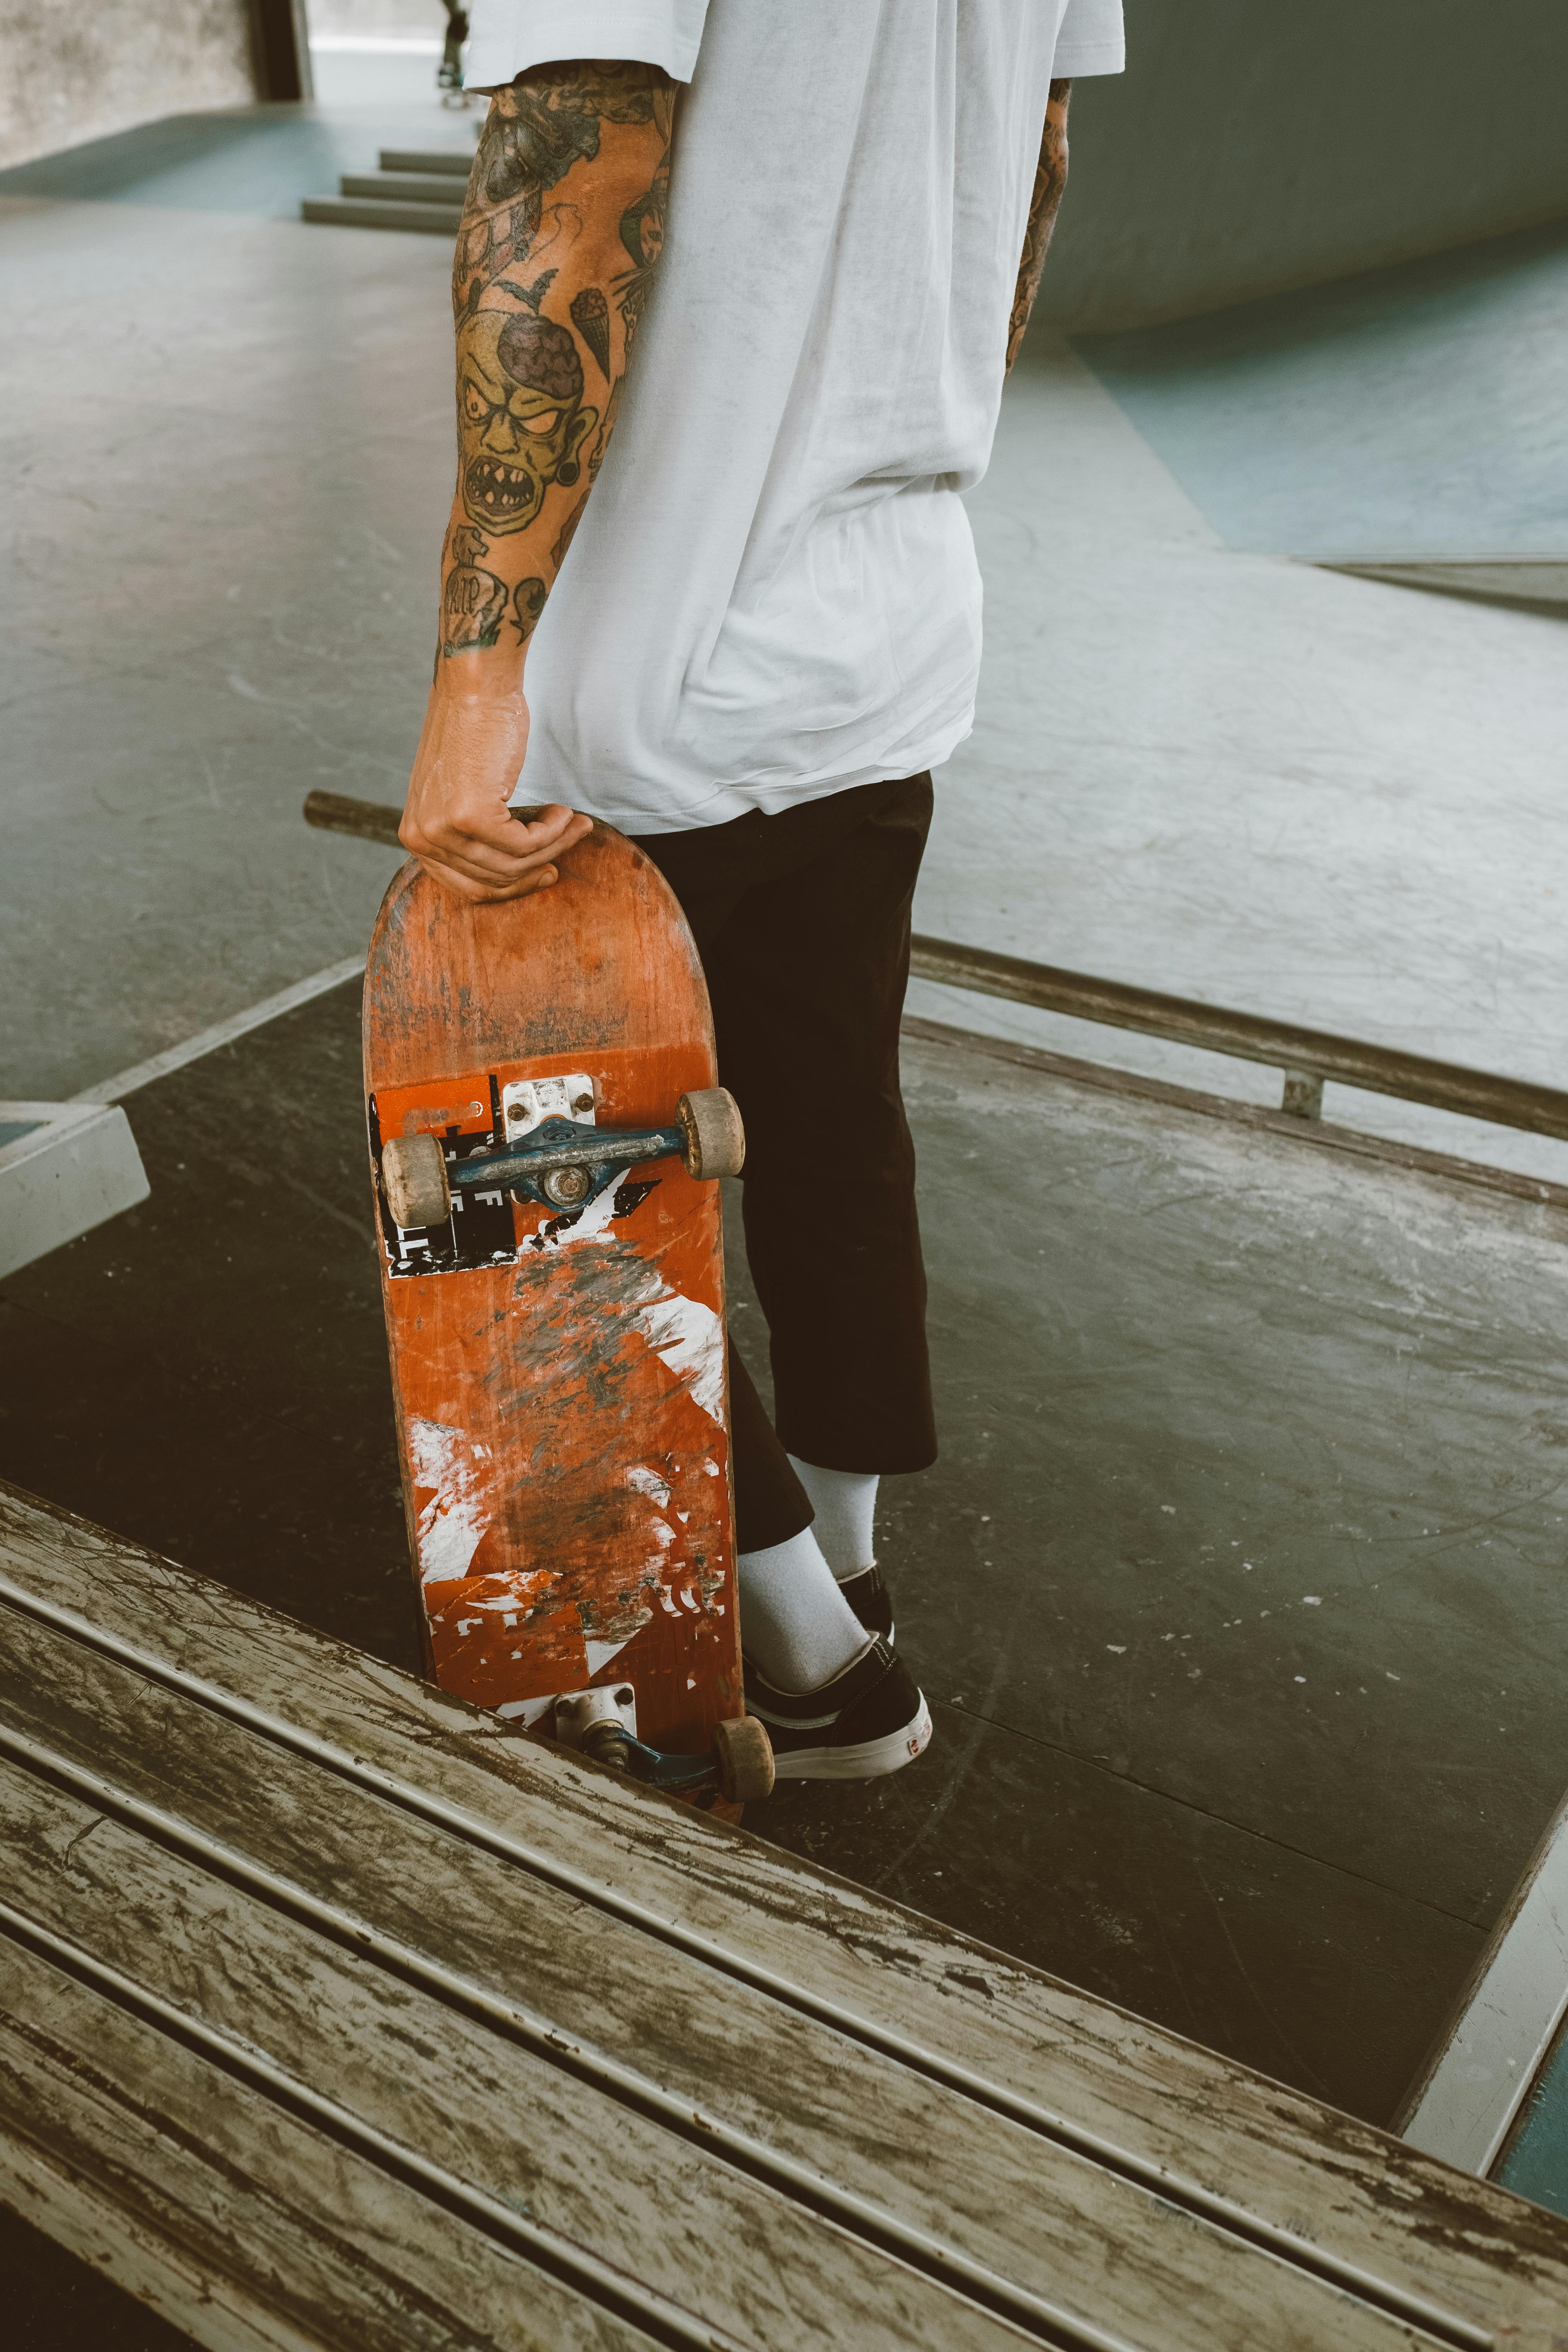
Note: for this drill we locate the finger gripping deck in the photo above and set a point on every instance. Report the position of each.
(558, 1371)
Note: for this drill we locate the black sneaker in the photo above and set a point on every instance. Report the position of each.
(870, 1600)
(869, 1720)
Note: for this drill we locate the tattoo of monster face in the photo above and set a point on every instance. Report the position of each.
(521, 416)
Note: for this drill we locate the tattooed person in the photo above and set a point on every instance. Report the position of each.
(764, 637)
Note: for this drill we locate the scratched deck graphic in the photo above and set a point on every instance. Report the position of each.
(559, 1379)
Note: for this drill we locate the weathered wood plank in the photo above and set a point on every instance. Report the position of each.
(233, 2219)
(583, 2168)
(1219, 2139)
(779, 2090)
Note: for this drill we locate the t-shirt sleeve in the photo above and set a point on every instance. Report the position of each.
(507, 36)
(1089, 40)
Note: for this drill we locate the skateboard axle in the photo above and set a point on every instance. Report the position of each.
(602, 1723)
(562, 1145)
(740, 1766)
(610, 1743)
(562, 1162)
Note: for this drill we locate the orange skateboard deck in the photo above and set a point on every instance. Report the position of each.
(557, 1337)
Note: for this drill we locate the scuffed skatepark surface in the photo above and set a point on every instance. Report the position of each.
(1233, 1592)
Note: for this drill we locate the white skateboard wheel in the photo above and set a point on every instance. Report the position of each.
(414, 1178)
(745, 1755)
(715, 1141)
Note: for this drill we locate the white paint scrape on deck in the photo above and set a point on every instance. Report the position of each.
(453, 1522)
(689, 1338)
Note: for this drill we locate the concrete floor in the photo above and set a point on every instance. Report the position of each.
(1188, 1376)
(1218, 772)
(1236, 1591)
(1240, 778)
(262, 561)
(348, 76)
(1414, 411)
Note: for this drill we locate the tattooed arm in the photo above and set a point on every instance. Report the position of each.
(1051, 179)
(561, 230)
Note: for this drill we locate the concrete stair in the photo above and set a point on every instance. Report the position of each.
(411, 191)
(444, 162)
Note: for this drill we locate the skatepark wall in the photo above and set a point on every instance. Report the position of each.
(71, 70)
(1249, 149)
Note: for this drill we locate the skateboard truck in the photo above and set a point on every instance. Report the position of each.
(562, 1162)
(601, 1724)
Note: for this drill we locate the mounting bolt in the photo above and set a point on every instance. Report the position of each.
(1303, 1096)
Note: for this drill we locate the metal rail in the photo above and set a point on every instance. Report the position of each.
(1307, 1057)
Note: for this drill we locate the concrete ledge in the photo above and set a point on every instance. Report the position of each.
(1490, 2052)
(64, 1167)
(1518, 584)
(406, 188)
(1243, 153)
(79, 75)
(365, 212)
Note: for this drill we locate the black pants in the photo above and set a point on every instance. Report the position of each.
(803, 924)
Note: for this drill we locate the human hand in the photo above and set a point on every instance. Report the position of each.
(456, 822)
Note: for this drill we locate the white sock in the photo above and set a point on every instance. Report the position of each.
(844, 1502)
(795, 1621)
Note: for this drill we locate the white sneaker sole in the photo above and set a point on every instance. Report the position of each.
(871, 1760)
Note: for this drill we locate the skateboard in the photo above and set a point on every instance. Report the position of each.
(545, 1135)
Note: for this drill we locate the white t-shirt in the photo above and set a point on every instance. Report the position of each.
(773, 593)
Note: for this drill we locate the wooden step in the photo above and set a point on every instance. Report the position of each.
(336, 2013)
(375, 212)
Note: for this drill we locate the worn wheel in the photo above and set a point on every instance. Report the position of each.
(745, 1756)
(414, 1178)
(715, 1139)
